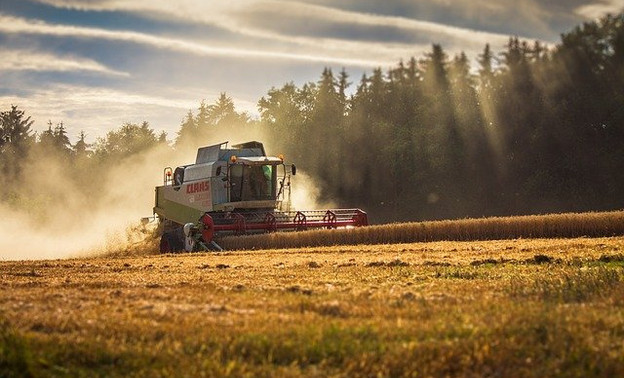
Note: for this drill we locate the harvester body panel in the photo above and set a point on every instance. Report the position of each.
(222, 179)
(180, 204)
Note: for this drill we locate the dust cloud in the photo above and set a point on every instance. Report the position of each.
(99, 214)
(58, 218)
(306, 194)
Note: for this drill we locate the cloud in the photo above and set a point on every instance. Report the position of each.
(14, 25)
(25, 60)
(601, 8)
(530, 19)
(97, 110)
(238, 16)
(277, 26)
(283, 23)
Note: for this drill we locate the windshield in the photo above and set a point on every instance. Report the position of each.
(252, 182)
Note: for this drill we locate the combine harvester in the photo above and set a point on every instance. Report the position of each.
(234, 191)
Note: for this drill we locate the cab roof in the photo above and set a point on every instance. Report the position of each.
(220, 152)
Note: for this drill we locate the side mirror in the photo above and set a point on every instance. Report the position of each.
(293, 169)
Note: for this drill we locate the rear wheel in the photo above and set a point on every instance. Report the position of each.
(170, 243)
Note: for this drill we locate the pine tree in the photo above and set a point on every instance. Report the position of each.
(223, 113)
(61, 140)
(15, 141)
(188, 133)
(81, 148)
(343, 84)
(46, 139)
(162, 137)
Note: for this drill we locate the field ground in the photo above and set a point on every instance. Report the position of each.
(541, 307)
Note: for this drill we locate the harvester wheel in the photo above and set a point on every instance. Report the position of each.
(169, 243)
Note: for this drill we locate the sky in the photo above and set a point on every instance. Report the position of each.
(97, 64)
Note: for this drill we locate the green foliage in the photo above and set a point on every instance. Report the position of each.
(329, 345)
(15, 142)
(81, 148)
(15, 356)
(54, 141)
(570, 285)
(221, 115)
(128, 140)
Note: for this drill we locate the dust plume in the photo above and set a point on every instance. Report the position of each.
(56, 215)
(306, 194)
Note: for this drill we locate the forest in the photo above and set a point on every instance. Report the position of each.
(528, 130)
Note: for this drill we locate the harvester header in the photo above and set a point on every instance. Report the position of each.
(234, 191)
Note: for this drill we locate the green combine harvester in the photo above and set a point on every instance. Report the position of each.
(234, 191)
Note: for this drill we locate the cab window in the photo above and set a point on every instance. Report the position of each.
(252, 183)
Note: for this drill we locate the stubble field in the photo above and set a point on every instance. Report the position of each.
(522, 307)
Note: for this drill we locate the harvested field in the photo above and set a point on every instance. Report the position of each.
(537, 307)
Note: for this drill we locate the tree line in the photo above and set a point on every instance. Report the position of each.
(533, 129)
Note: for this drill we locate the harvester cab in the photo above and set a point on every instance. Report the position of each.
(236, 190)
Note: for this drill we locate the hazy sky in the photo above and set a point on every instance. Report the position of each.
(95, 64)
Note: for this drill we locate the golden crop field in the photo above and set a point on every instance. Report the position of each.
(517, 307)
(567, 225)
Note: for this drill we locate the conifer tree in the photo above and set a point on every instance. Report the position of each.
(16, 141)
